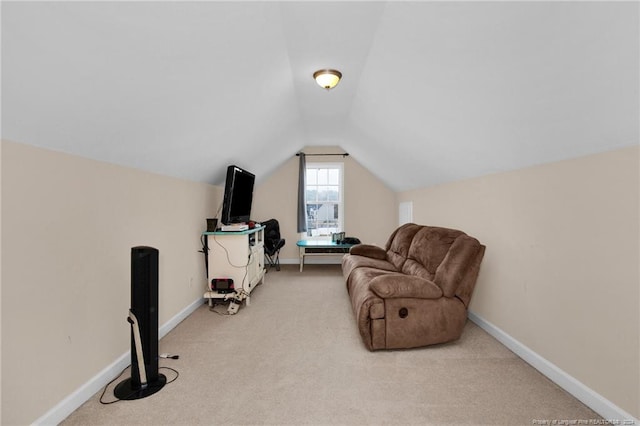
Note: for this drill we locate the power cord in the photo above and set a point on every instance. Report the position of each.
(133, 393)
(215, 311)
(171, 369)
(227, 254)
(109, 384)
(169, 356)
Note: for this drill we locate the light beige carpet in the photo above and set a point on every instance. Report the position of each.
(295, 357)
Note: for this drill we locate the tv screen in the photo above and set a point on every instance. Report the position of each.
(238, 196)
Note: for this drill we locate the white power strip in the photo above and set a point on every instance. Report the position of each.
(233, 307)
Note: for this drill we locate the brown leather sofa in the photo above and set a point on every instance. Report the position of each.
(414, 292)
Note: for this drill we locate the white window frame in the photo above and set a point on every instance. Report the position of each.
(340, 202)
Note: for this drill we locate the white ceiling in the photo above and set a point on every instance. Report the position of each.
(432, 91)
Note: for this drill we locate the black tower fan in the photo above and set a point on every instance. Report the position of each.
(143, 317)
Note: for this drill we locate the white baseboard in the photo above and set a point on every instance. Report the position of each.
(607, 409)
(179, 317)
(72, 402)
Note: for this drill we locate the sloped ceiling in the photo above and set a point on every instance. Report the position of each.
(432, 91)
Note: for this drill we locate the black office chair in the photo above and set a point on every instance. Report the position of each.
(272, 243)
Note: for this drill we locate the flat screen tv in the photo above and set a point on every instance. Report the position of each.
(238, 196)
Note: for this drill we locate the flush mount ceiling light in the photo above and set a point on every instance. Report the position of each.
(327, 79)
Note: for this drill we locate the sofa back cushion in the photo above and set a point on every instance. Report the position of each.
(399, 244)
(457, 273)
(429, 248)
(448, 257)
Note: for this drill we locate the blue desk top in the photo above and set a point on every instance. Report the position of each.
(321, 244)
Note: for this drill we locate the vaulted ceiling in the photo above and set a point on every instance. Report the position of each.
(432, 91)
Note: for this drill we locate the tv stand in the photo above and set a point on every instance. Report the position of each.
(237, 255)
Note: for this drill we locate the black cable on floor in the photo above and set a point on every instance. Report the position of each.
(133, 393)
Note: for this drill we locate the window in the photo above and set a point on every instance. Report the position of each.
(324, 199)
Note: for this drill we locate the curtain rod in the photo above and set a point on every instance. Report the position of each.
(314, 155)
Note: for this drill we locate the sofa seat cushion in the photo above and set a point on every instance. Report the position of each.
(393, 286)
(352, 261)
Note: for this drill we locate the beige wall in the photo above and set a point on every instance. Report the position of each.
(560, 273)
(68, 227)
(370, 206)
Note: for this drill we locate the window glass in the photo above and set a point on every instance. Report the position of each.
(324, 200)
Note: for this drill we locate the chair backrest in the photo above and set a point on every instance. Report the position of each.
(271, 233)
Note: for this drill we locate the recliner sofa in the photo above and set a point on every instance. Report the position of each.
(414, 292)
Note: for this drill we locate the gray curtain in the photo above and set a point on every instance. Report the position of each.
(302, 184)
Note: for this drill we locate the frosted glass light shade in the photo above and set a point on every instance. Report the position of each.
(327, 79)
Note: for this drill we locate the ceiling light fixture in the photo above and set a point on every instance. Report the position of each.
(327, 79)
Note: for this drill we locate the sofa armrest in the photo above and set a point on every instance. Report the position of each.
(393, 286)
(369, 250)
